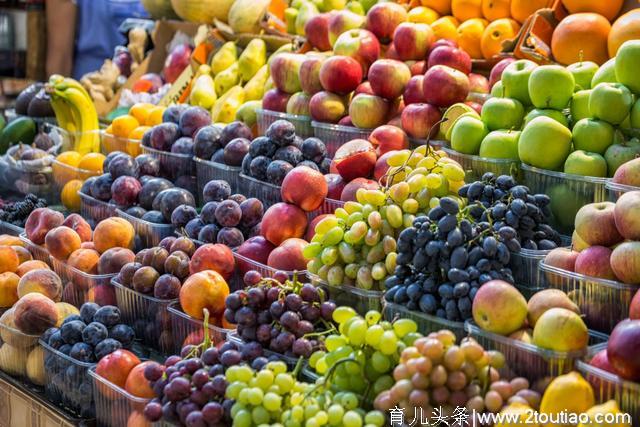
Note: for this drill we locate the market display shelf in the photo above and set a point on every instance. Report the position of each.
(427, 323)
(301, 123)
(476, 166)
(207, 170)
(80, 287)
(148, 234)
(334, 136)
(361, 300)
(115, 407)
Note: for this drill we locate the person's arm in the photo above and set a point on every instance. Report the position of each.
(61, 29)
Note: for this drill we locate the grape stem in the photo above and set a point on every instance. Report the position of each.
(206, 341)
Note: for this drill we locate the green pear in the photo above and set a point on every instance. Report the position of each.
(252, 58)
(584, 163)
(547, 112)
(592, 135)
(579, 105)
(290, 16)
(551, 86)
(306, 12)
(224, 57)
(544, 143)
(467, 135)
(356, 7)
(203, 93)
(606, 73)
(254, 89)
(329, 5)
(247, 112)
(500, 144)
(583, 73)
(226, 79)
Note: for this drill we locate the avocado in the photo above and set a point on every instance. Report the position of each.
(20, 130)
(25, 97)
(40, 105)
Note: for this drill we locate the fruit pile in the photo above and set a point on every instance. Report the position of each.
(16, 213)
(273, 156)
(226, 145)
(288, 318)
(128, 129)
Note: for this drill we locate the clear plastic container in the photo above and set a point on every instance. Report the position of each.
(63, 173)
(115, 407)
(245, 264)
(30, 176)
(189, 330)
(148, 316)
(95, 210)
(111, 143)
(268, 194)
(361, 300)
(603, 303)
(172, 165)
(10, 229)
(615, 190)
(528, 360)
(476, 166)
(149, 233)
(426, 322)
(608, 386)
(68, 384)
(568, 193)
(436, 144)
(207, 170)
(329, 206)
(80, 287)
(302, 123)
(334, 136)
(38, 252)
(14, 363)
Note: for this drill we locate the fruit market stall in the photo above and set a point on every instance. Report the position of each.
(315, 213)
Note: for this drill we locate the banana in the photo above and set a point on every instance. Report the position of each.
(84, 115)
(63, 114)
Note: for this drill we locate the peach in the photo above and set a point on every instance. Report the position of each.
(304, 187)
(112, 233)
(283, 221)
(23, 254)
(9, 260)
(8, 289)
(88, 245)
(85, 260)
(35, 313)
(206, 289)
(65, 310)
(9, 336)
(137, 384)
(39, 222)
(101, 295)
(112, 260)
(45, 282)
(61, 242)
(288, 256)
(215, 257)
(79, 225)
(34, 264)
(137, 419)
(8, 240)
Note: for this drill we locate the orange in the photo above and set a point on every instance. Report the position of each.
(626, 27)
(109, 130)
(445, 28)
(422, 15)
(138, 132)
(69, 195)
(496, 9)
(92, 162)
(64, 169)
(155, 116)
(141, 111)
(607, 8)
(521, 9)
(470, 35)
(443, 7)
(466, 9)
(123, 125)
(495, 33)
(581, 37)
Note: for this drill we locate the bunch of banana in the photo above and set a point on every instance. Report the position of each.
(75, 112)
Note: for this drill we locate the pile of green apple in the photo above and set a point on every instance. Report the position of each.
(579, 119)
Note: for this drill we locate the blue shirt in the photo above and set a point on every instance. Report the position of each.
(97, 32)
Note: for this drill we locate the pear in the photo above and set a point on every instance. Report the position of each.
(225, 108)
(251, 59)
(610, 407)
(203, 93)
(329, 5)
(356, 7)
(226, 79)
(306, 12)
(247, 112)
(254, 89)
(226, 56)
(290, 15)
(570, 393)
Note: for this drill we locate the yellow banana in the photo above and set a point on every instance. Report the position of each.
(84, 111)
(63, 114)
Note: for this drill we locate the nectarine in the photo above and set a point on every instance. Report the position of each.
(283, 221)
(216, 257)
(304, 187)
(206, 289)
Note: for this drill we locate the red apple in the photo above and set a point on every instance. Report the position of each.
(390, 53)
(340, 74)
(601, 361)
(418, 68)
(562, 258)
(178, 59)
(327, 107)
(444, 42)
(355, 159)
(389, 77)
(345, 121)
(396, 121)
(359, 44)
(364, 87)
(285, 69)
(288, 256)
(444, 86)
(299, 104)
(317, 31)
(413, 92)
(342, 21)
(275, 100)
(596, 224)
(478, 83)
(421, 120)
(627, 215)
(388, 138)
(477, 107)
(412, 41)
(383, 18)
(595, 262)
(623, 349)
(451, 57)
(625, 262)
(634, 308)
(368, 111)
(349, 192)
(496, 71)
(335, 185)
(309, 74)
(382, 167)
(396, 107)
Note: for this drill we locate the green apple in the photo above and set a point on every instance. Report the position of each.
(618, 154)
(583, 73)
(611, 102)
(544, 143)
(497, 91)
(502, 113)
(592, 135)
(551, 86)
(565, 204)
(467, 135)
(515, 80)
(628, 64)
(634, 117)
(579, 106)
(606, 73)
(584, 163)
(554, 114)
(500, 144)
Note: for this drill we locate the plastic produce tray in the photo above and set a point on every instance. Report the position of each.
(68, 383)
(63, 173)
(148, 316)
(39, 252)
(528, 360)
(172, 165)
(111, 143)
(608, 386)
(615, 190)
(148, 234)
(568, 193)
(95, 210)
(476, 166)
(301, 123)
(8, 228)
(115, 407)
(268, 194)
(14, 364)
(189, 330)
(30, 176)
(329, 206)
(207, 170)
(334, 136)
(524, 265)
(426, 323)
(362, 300)
(80, 287)
(604, 303)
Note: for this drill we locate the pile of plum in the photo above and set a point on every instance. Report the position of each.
(226, 145)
